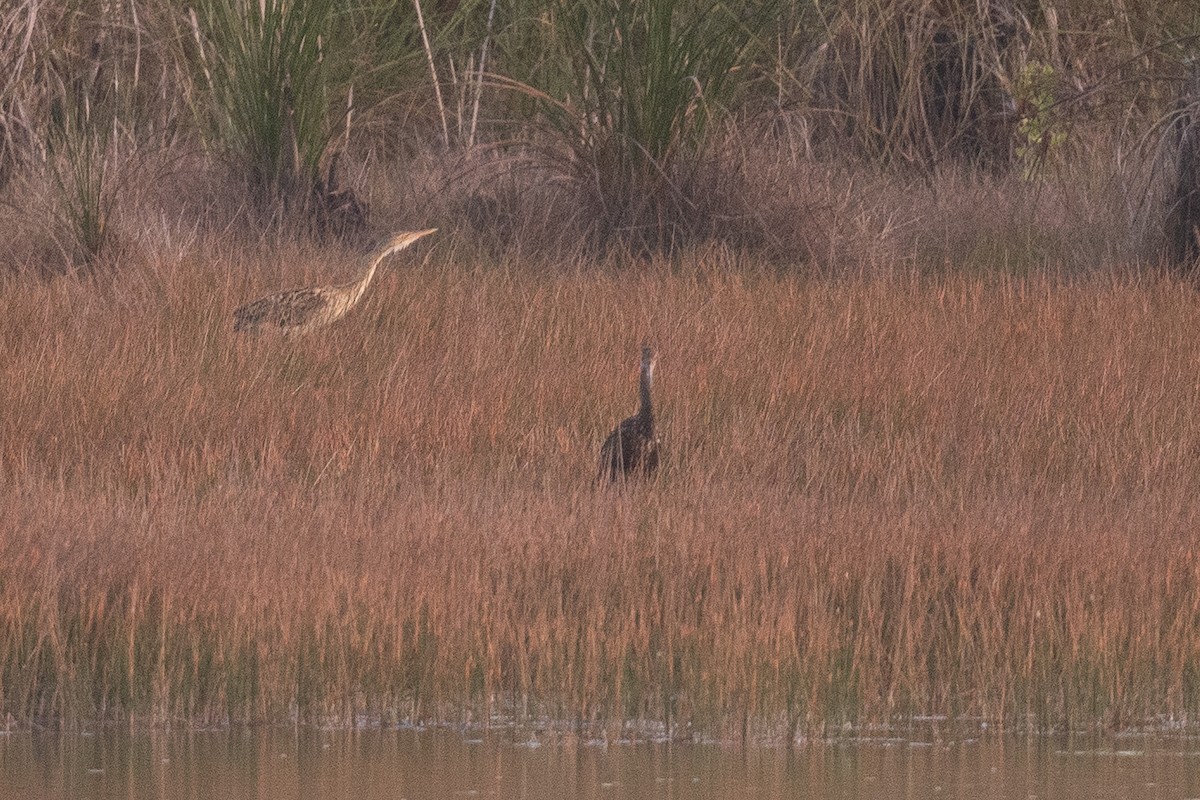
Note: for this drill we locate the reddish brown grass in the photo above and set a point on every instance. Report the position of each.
(879, 497)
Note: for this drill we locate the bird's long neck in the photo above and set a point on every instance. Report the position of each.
(360, 286)
(645, 409)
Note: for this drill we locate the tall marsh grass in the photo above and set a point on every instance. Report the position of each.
(921, 83)
(265, 65)
(284, 81)
(627, 96)
(880, 497)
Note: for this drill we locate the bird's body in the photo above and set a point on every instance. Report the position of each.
(302, 310)
(631, 450)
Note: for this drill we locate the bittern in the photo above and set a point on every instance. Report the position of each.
(302, 310)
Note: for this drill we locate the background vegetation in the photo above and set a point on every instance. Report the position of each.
(927, 403)
(641, 126)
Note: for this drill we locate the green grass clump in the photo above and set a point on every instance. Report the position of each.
(285, 80)
(629, 94)
(271, 100)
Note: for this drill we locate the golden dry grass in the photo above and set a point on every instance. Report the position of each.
(959, 495)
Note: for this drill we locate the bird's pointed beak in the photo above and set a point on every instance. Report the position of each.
(409, 238)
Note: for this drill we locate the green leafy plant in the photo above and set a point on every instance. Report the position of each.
(286, 78)
(266, 69)
(628, 93)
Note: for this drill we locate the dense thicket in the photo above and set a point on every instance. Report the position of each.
(649, 124)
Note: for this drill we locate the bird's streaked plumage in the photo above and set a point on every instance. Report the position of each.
(302, 310)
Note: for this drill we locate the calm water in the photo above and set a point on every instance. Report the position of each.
(446, 764)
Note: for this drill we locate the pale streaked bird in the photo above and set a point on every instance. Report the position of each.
(302, 310)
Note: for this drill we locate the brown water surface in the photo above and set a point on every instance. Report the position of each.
(414, 765)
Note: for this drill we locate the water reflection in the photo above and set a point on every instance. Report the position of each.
(261, 764)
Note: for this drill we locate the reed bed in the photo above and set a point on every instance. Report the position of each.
(880, 497)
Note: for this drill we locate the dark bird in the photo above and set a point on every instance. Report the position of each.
(631, 450)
